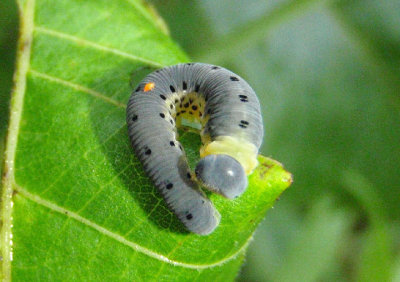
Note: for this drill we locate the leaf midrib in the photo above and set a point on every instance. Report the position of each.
(17, 99)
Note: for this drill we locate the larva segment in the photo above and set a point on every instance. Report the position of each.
(151, 134)
(226, 111)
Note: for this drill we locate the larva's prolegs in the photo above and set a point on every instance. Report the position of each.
(227, 111)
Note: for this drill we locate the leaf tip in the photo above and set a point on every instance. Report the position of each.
(270, 174)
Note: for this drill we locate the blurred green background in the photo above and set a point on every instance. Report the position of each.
(328, 77)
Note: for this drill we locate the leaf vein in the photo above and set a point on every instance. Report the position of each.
(77, 87)
(54, 207)
(101, 188)
(142, 11)
(71, 166)
(88, 43)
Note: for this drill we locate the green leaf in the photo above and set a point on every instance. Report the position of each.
(76, 204)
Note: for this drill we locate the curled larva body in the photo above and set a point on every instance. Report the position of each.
(229, 115)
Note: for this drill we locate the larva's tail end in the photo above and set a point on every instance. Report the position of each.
(222, 174)
(211, 225)
(201, 218)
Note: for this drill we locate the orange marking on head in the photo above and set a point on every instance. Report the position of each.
(149, 86)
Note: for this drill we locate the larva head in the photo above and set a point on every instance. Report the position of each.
(222, 174)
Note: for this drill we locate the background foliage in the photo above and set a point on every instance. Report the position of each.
(328, 76)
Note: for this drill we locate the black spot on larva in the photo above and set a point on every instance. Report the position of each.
(171, 106)
(178, 113)
(184, 85)
(186, 105)
(134, 118)
(243, 98)
(182, 99)
(137, 89)
(169, 186)
(234, 78)
(197, 87)
(171, 121)
(189, 175)
(163, 97)
(194, 107)
(172, 88)
(189, 216)
(162, 115)
(189, 64)
(176, 101)
(244, 122)
(190, 112)
(148, 151)
(242, 125)
(180, 147)
(190, 101)
(200, 114)
(172, 143)
(214, 68)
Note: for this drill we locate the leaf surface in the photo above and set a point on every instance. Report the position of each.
(76, 202)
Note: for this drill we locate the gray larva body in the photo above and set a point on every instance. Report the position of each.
(232, 131)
